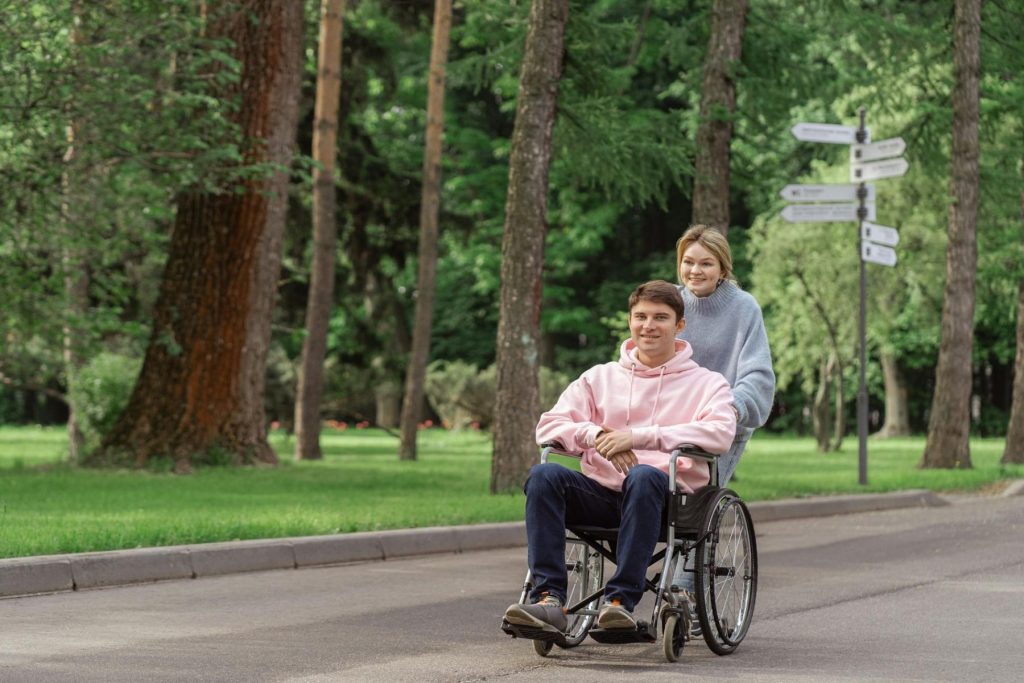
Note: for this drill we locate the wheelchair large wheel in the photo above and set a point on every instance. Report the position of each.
(585, 569)
(726, 573)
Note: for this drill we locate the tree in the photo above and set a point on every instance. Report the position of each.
(430, 202)
(522, 247)
(949, 422)
(717, 107)
(309, 392)
(200, 390)
(1013, 452)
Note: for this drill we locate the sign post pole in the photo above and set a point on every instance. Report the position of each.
(862, 389)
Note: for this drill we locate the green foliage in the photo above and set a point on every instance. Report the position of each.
(463, 396)
(101, 392)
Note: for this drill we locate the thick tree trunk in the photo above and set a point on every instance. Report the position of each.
(717, 105)
(310, 388)
(950, 419)
(201, 385)
(430, 201)
(897, 412)
(522, 248)
(1013, 452)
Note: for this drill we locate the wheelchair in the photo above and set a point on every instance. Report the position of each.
(711, 527)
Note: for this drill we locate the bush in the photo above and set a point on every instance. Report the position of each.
(101, 392)
(462, 395)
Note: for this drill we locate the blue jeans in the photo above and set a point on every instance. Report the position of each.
(557, 497)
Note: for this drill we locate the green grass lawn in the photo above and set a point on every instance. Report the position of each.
(47, 507)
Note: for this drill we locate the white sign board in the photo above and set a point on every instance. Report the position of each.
(825, 213)
(825, 193)
(883, 149)
(873, 170)
(879, 234)
(876, 253)
(827, 132)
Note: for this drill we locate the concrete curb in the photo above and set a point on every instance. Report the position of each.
(1016, 488)
(56, 573)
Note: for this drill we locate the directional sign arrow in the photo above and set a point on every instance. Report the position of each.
(825, 213)
(827, 132)
(876, 253)
(883, 149)
(890, 168)
(879, 234)
(825, 193)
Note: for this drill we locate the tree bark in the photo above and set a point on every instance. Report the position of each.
(897, 413)
(949, 422)
(717, 106)
(1013, 452)
(820, 411)
(839, 426)
(201, 384)
(517, 401)
(310, 386)
(429, 204)
(74, 263)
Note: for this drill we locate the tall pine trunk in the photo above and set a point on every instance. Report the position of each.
(201, 384)
(517, 401)
(949, 423)
(717, 106)
(429, 204)
(1013, 452)
(897, 412)
(310, 387)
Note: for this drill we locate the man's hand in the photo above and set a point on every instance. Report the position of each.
(610, 441)
(624, 461)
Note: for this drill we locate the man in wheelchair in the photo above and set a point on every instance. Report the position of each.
(624, 418)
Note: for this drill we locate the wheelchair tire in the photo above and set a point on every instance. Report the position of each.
(585, 570)
(673, 637)
(543, 647)
(726, 573)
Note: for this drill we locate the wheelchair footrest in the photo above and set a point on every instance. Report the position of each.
(643, 633)
(532, 633)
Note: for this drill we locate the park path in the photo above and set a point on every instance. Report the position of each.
(918, 594)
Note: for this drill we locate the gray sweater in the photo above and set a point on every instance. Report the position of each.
(726, 331)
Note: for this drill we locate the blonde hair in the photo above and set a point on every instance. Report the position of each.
(712, 240)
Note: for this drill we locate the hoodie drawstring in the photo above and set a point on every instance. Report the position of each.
(629, 399)
(657, 395)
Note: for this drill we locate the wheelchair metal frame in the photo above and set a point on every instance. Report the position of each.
(687, 528)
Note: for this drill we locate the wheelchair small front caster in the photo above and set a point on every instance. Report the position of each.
(673, 637)
(543, 647)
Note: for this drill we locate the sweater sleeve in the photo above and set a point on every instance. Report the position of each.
(712, 428)
(754, 388)
(569, 422)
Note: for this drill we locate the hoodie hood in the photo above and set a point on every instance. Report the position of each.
(680, 362)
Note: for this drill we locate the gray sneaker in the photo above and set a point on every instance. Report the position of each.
(614, 616)
(546, 614)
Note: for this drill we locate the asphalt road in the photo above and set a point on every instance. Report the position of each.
(921, 594)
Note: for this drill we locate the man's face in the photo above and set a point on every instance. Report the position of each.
(653, 328)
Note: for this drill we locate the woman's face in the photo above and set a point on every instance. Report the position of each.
(700, 270)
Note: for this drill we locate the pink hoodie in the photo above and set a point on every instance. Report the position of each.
(678, 402)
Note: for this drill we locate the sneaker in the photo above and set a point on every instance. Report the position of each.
(546, 614)
(614, 616)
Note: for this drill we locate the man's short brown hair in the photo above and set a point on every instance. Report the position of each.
(659, 292)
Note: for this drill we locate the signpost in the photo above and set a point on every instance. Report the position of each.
(825, 193)
(868, 161)
(879, 234)
(825, 213)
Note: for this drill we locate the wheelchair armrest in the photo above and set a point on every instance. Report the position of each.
(690, 450)
(555, 448)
